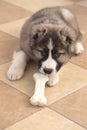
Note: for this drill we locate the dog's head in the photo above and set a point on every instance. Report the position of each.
(52, 45)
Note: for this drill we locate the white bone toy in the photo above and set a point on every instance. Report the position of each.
(38, 98)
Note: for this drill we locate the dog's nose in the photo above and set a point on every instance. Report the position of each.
(48, 71)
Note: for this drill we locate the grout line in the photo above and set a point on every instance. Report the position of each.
(61, 98)
(5, 62)
(19, 6)
(79, 5)
(15, 88)
(33, 11)
(78, 66)
(41, 108)
(9, 34)
(51, 102)
(13, 20)
(66, 117)
(8, 62)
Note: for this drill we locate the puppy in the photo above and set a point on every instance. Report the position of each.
(50, 37)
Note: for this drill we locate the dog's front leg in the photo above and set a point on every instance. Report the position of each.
(53, 79)
(18, 65)
(38, 98)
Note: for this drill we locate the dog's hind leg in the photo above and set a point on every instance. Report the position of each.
(18, 65)
(79, 48)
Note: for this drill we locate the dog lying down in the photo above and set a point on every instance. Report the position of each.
(38, 98)
(50, 37)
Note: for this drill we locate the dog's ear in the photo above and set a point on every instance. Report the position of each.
(68, 35)
(38, 32)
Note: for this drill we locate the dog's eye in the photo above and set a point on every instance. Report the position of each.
(68, 40)
(56, 54)
(43, 52)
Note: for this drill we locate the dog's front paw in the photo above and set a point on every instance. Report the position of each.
(38, 100)
(15, 73)
(52, 82)
(42, 101)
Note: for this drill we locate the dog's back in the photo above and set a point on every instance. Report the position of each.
(54, 16)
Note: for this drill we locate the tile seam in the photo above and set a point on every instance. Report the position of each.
(67, 117)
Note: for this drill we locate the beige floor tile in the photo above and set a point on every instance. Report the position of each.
(35, 5)
(81, 14)
(74, 106)
(83, 3)
(76, 0)
(10, 12)
(8, 44)
(14, 27)
(71, 79)
(80, 60)
(14, 106)
(45, 120)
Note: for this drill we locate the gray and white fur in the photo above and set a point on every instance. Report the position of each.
(50, 37)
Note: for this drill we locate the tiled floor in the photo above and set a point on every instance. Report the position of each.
(67, 101)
